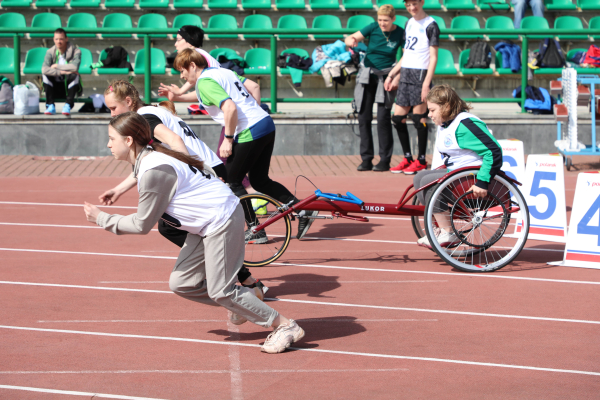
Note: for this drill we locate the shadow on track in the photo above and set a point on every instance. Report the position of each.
(344, 229)
(312, 285)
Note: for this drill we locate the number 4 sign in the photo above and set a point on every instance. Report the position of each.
(544, 191)
(583, 242)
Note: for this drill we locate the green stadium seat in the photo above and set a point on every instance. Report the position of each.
(45, 20)
(154, 4)
(119, 3)
(111, 71)
(401, 21)
(7, 61)
(81, 20)
(588, 4)
(257, 21)
(291, 21)
(500, 22)
(533, 22)
(441, 24)
(465, 22)
(85, 67)
(84, 4)
(460, 5)
(569, 22)
(222, 4)
(445, 64)
(50, 3)
(357, 4)
(16, 3)
(223, 21)
(187, 19)
(359, 21)
(552, 5)
(225, 52)
(397, 4)
(153, 21)
(432, 5)
(496, 5)
(188, 3)
(158, 62)
(462, 61)
(595, 24)
(258, 62)
(501, 69)
(290, 4)
(117, 20)
(327, 22)
(299, 52)
(324, 4)
(581, 70)
(256, 4)
(12, 20)
(34, 59)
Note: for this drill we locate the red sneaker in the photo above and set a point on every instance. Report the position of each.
(414, 167)
(400, 167)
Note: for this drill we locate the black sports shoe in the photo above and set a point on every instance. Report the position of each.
(305, 223)
(365, 166)
(259, 237)
(382, 166)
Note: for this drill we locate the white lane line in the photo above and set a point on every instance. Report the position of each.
(581, 321)
(216, 371)
(59, 204)
(460, 274)
(74, 393)
(17, 224)
(304, 320)
(281, 281)
(350, 353)
(237, 392)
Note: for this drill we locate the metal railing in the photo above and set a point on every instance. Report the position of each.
(146, 33)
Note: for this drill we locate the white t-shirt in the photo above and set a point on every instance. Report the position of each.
(418, 41)
(212, 62)
(201, 204)
(194, 145)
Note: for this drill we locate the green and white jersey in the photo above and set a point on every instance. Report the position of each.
(216, 85)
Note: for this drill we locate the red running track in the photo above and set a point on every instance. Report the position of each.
(384, 318)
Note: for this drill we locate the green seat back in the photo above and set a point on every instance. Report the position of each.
(324, 4)
(533, 22)
(327, 22)
(559, 5)
(225, 52)
(188, 3)
(572, 52)
(256, 4)
(432, 5)
(357, 4)
(117, 20)
(595, 24)
(465, 22)
(257, 21)
(45, 20)
(460, 5)
(158, 62)
(85, 67)
(292, 21)
(222, 4)
(12, 20)
(445, 64)
(223, 21)
(34, 59)
(153, 21)
(84, 4)
(290, 4)
(401, 21)
(154, 4)
(7, 61)
(493, 5)
(569, 22)
(111, 71)
(81, 20)
(50, 3)
(588, 4)
(359, 21)
(299, 52)
(119, 3)
(397, 4)
(500, 22)
(187, 19)
(441, 24)
(258, 61)
(16, 3)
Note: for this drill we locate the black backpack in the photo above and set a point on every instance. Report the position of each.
(550, 55)
(480, 56)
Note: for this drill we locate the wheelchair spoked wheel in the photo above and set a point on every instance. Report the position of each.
(268, 245)
(417, 221)
(479, 225)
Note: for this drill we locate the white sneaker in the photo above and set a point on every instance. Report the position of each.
(444, 239)
(282, 337)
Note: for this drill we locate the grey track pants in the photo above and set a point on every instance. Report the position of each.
(422, 178)
(206, 272)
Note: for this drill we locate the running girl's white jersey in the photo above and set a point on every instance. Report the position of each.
(194, 145)
(212, 62)
(201, 204)
(416, 46)
(219, 85)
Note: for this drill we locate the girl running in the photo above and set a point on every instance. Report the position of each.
(462, 140)
(175, 186)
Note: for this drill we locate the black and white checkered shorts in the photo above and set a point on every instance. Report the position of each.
(408, 95)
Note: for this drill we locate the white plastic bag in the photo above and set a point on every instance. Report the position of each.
(27, 99)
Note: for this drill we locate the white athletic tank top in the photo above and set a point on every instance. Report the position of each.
(416, 47)
(201, 204)
(455, 157)
(194, 145)
(212, 62)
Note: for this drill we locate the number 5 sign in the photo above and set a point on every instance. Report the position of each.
(544, 191)
(583, 243)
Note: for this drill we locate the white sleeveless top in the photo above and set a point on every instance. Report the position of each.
(195, 146)
(416, 46)
(212, 62)
(455, 157)
(201, 204)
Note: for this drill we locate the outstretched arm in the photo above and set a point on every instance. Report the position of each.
(111, 196)
(169, 137)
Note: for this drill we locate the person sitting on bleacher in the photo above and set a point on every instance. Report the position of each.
(60, 73)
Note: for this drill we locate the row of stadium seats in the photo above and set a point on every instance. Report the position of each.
(258, 62)
(297, 4)
(258, 21)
